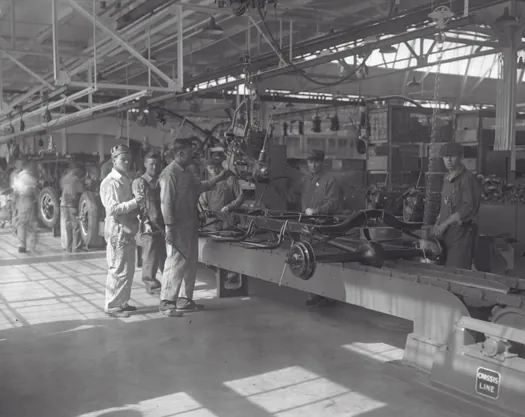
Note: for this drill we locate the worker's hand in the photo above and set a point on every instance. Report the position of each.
(225, 210)
(148, 228)
(139, 198)
(438, 230)
(311, 212)
(225, 174)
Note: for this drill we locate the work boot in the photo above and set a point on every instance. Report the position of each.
(22, 249)
(128, 308)
(152, 285)
(312, 300)
(185, 304)
(169, 309)
(118, 314)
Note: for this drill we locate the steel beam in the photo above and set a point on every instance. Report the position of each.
(121, 42)
(119, 87)
(108, 47)
(268, 41)
(180, 47)
(29, 71)
(56, 57)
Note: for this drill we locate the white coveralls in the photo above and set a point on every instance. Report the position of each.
(179, 194)
(120, 229)
(25, 189)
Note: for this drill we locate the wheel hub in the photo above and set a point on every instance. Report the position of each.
(301, 260)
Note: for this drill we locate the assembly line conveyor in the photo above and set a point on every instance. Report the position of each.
(338, 258)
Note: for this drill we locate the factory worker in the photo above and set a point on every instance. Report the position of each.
(25, 190)
(120, 228)
(227, 195)
(320, 194)
(460, 200)
(180, 190)
(72, 187)
(151, 227)
(19, 164)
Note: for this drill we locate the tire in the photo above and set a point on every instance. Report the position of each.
(90, 212)
(49, 207)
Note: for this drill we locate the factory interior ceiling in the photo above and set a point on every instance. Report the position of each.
(82, 58)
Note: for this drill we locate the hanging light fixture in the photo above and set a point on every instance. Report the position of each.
(506, 19)
(413, 83)
(388, 50)
(213, 28)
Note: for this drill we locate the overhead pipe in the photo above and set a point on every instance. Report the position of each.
(51, 106)
(61, 120)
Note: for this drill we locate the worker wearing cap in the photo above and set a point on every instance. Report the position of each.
(460, 201)
(179, 192)
(320, 194)
(72, 187)
(227, 195)
(120, 228)
(151, 223)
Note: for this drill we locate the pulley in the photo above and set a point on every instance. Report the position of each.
(301, 260)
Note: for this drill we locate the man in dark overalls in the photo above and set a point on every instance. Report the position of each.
(320, 194)
(460, 200)
(151, 223)
(227, 195)
(72, 187)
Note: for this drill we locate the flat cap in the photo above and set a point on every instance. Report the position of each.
(183, 143)
(451, 149)
(119, 150)
(213, 161)
(315, 155)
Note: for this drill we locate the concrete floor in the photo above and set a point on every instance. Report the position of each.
(261, 356)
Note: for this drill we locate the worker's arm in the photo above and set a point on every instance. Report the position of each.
(237, 192)
(212, 182)
(331, 199)
(203, 202)
(111, 201)
(168, 190)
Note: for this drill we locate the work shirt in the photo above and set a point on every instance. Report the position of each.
(121, 207)
(321, 192)
(149, 187)
(72, 187)
(226, 193)
(461, 194)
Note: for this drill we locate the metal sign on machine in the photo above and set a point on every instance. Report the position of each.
(487, 383)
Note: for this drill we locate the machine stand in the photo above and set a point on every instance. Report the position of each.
(222, 289)
(487, 372)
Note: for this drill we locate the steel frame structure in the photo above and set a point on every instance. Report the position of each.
(266, 66)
